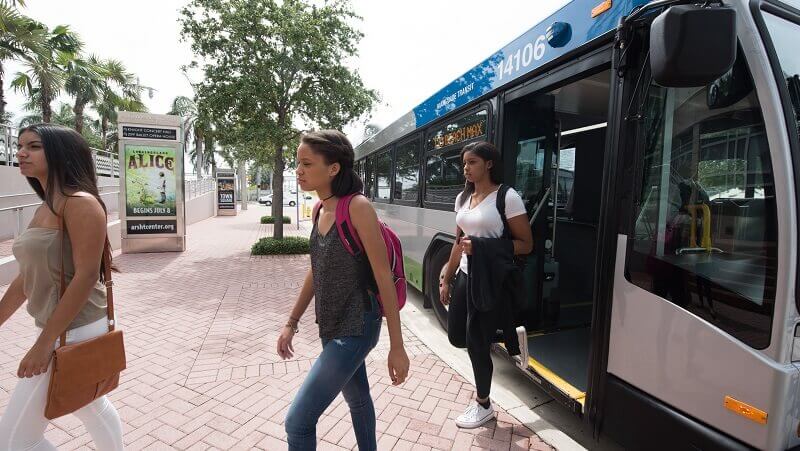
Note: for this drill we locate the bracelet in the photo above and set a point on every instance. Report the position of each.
(293, 328)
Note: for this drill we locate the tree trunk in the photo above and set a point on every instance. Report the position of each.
(104, 131)
(243, 184)
(47, 111)
(208, 151)
(198, 153)
(80, 105)
(277, 193)
(2, 96)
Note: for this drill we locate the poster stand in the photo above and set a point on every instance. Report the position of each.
(152, 209)
(226, 189)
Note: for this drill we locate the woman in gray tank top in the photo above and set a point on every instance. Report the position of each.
(344, 287)
(58, 164)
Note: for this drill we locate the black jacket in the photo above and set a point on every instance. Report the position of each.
(493, 290)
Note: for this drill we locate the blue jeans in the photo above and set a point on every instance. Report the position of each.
(340, 368)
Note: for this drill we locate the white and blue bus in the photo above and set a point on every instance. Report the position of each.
(656, 147)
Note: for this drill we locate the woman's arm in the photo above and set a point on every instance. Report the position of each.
(521, 234)
(303, 299)
(365, 221)
(86, 226)
(13, 298)
(285, 347)
(455, 257)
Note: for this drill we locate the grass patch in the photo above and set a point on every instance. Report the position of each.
(288, 245)
(271, 220)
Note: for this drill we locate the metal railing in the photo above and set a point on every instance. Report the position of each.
(19, 209)
(196, 188)
(106, 163)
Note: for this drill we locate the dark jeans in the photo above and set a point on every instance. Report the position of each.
(340, 368)
(463, 326)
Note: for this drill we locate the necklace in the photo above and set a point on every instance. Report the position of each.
(329, 197)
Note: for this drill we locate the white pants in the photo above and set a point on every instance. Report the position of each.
(23, 424)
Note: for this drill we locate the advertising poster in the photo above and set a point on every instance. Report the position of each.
(225, 193)
(150, 181)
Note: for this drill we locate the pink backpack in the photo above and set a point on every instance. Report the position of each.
(351, 242)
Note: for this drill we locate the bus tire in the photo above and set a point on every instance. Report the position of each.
(438, 262)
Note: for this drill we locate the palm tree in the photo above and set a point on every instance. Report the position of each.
(85, 80)
(20, 37)
(45, 75)
(120, 90)
(197, 127)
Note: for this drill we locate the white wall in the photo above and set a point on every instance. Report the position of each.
(200, 208)
(197, 209)
(15, 190)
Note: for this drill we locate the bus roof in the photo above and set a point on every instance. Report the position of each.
(576, 24)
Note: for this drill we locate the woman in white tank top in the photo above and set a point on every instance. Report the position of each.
(477, 216)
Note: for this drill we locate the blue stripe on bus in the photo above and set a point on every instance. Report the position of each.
(525, 54)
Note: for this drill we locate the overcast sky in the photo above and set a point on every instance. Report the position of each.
(410, 50)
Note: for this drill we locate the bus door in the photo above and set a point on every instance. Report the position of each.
(696, 339)
(530, 140)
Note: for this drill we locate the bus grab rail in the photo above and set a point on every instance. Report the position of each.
(705, 240)
(539, 207)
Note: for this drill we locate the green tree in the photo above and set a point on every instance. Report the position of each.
(197, 128)
(272, 68)
(120, 90)
(45, 77)
(20, 38)
(85, 81)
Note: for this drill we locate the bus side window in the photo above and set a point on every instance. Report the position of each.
(369, 176)
(406, 172)
(383, 174)
(704, 235)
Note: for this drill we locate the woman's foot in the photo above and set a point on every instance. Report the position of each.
(476, 415)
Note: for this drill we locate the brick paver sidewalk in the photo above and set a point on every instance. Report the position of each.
(200, 331)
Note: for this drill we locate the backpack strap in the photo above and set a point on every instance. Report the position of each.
(317, 208)
(344, 223)
(501, 208)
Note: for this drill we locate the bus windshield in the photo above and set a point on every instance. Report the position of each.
(784, 36)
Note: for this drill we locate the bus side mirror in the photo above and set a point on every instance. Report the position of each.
(691, 45)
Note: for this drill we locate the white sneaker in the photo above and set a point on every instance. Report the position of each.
(522, 337)
(475, 416)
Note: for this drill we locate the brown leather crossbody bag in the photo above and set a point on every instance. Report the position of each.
(85, 371)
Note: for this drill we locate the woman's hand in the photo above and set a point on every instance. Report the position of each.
(285, 348)
(35, 361)
(444, 292)
(466, 245)
(398, 365)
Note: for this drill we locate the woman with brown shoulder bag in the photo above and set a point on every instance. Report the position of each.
(65, 267)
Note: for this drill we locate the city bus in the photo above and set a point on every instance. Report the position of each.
(655, 145)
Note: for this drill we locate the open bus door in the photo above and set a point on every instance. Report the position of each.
(529, 145)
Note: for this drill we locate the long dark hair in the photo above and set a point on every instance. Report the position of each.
(70, 167)
(486, 151)
(334, 147)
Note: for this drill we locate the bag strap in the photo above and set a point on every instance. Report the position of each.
(501, 208)
(317, 208)
(106, 275)
(348, 234)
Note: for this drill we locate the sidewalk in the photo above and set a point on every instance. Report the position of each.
(200, 331)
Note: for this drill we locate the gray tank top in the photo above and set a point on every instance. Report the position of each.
(38, 252)
(340, 289)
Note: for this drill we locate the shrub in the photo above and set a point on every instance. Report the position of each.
(288, 245)
(271, 220)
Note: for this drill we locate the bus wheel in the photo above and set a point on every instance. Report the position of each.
(437, 271)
